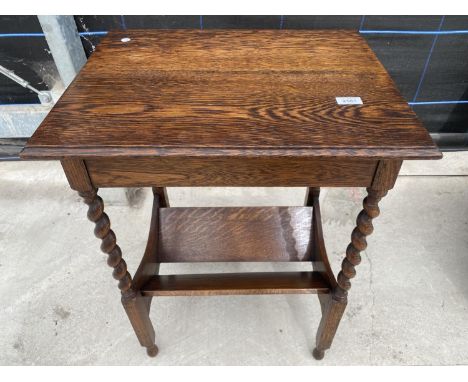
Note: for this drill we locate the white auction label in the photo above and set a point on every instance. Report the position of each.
(348, 100)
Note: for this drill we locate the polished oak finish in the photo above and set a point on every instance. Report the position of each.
(235, 234)
(109, 245)
(236, 284)
(358, 243)
(222, 171)
(232, 108)
(217, 92)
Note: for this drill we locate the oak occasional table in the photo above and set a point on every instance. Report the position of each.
(232, 108)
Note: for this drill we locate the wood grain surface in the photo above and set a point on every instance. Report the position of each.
(236, 284)
(235, 234)
(228, 92)
(77, 175)
(230, 171)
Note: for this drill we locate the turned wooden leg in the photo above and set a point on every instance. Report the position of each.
(133, 303)
(137, 310)
(332, 311)
(334, 304)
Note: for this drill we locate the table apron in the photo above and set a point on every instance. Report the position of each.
(231, 171)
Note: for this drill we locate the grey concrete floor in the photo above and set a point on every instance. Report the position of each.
(60, 306)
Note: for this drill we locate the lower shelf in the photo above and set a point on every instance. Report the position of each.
(234, 234)
(236, 284)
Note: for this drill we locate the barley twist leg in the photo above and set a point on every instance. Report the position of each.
(333, 309)
(358, 243)
(132, 301)
(109, 245)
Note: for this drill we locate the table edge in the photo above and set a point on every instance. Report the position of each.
(56, 153)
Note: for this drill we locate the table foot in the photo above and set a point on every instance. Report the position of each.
(318, 354)
(137, 310)
(152, 351)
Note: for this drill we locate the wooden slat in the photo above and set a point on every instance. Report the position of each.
(233, 172)
(236, 284)
(235, 234)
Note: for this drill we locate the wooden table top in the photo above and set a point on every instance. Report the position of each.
(231, 93)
